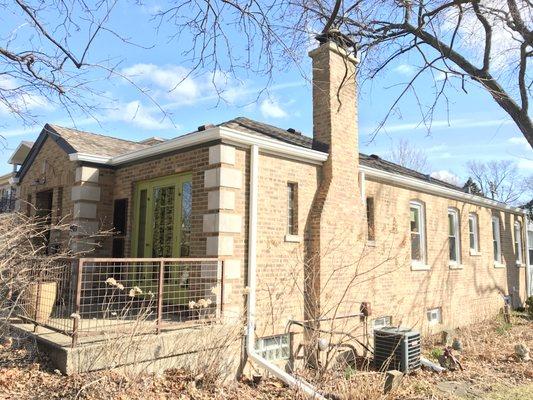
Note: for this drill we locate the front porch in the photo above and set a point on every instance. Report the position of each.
(94, 299)
(141, 310)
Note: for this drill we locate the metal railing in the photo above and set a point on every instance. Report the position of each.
(109, 296)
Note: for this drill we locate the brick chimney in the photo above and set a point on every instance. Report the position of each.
(334, 227)
(335, 110)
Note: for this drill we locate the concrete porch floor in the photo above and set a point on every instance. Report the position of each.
(133, 345)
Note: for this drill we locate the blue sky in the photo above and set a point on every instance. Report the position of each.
(470, 127)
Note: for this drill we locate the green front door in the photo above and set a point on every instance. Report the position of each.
(162, 229)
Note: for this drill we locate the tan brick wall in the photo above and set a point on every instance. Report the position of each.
(280, 263)
(465, 295)
(58, 173)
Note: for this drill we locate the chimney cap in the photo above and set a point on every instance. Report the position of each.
(205, 127)
(294, 131)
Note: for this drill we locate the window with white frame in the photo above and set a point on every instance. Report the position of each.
(418, 232)
(274, 348)
(518, 242)
(473, 232)
(382, 322)
(454, 240)
(530, 247)
(434, 316)
(496, 241)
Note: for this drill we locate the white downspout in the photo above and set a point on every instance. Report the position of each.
(252, 269)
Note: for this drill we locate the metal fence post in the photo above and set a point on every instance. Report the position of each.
(77, 305)
(220, 286)
(160, 284)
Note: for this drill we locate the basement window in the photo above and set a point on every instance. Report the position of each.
(434, 316)
(371, 233)
(274, 348)
(382, 322)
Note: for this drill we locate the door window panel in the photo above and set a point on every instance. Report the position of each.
(163, 222)
(186, 212)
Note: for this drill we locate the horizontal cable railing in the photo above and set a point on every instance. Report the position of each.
(109, 296)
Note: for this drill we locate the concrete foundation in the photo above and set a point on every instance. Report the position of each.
(216, 345)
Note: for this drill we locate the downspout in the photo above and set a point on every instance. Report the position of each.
(252, 279)
(525, 226)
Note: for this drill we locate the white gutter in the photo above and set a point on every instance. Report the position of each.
(252, 279)
(428, 187)
(227, 135)
(276, 147)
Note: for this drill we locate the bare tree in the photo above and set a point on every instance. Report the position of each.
(47, 58)
(442, 35)
(500, 180)
(407, 155)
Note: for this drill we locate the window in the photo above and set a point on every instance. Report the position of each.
(274, 348)
(530, 246)
(371, 234)
(120, 212)
(473, 233)
(454, 240)
(518, 242)
(381, 322)
(292, 208)
(418, 239)
(434, 316)
(496, 243)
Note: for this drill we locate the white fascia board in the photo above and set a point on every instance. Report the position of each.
(431, 188)
(227, 135)
(90, 158)
(273, 146)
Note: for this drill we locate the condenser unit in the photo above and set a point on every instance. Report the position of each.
(396, 348)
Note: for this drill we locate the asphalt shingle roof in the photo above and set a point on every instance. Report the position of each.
(92, 143)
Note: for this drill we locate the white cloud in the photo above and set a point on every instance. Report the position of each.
(143, 117)
(446, 176)
(457, 123)
(404, 69)
(526, 164)
(171, 81)
(517, 140)
(270, 108)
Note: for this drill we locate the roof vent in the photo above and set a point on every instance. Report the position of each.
(294, 131)
(205, 127)
(374, 156)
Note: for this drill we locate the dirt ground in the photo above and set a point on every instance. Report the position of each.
(491, 372)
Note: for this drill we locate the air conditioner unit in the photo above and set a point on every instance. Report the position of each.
(396, 348)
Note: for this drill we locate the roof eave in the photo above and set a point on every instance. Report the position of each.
(227, 135)
(431, 188)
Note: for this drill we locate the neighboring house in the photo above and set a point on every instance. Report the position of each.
(7, 186)
(324, 227)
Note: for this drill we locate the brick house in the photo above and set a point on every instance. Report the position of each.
(324, 227)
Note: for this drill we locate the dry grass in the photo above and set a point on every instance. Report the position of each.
(491, 372)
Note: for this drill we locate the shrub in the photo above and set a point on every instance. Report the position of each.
(529, 306)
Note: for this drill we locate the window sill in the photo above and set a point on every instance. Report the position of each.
(498, 265)
(475, 253)
(293, 238)
(455, 266)
(417, 266)
(520, 264)
(371, 243)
